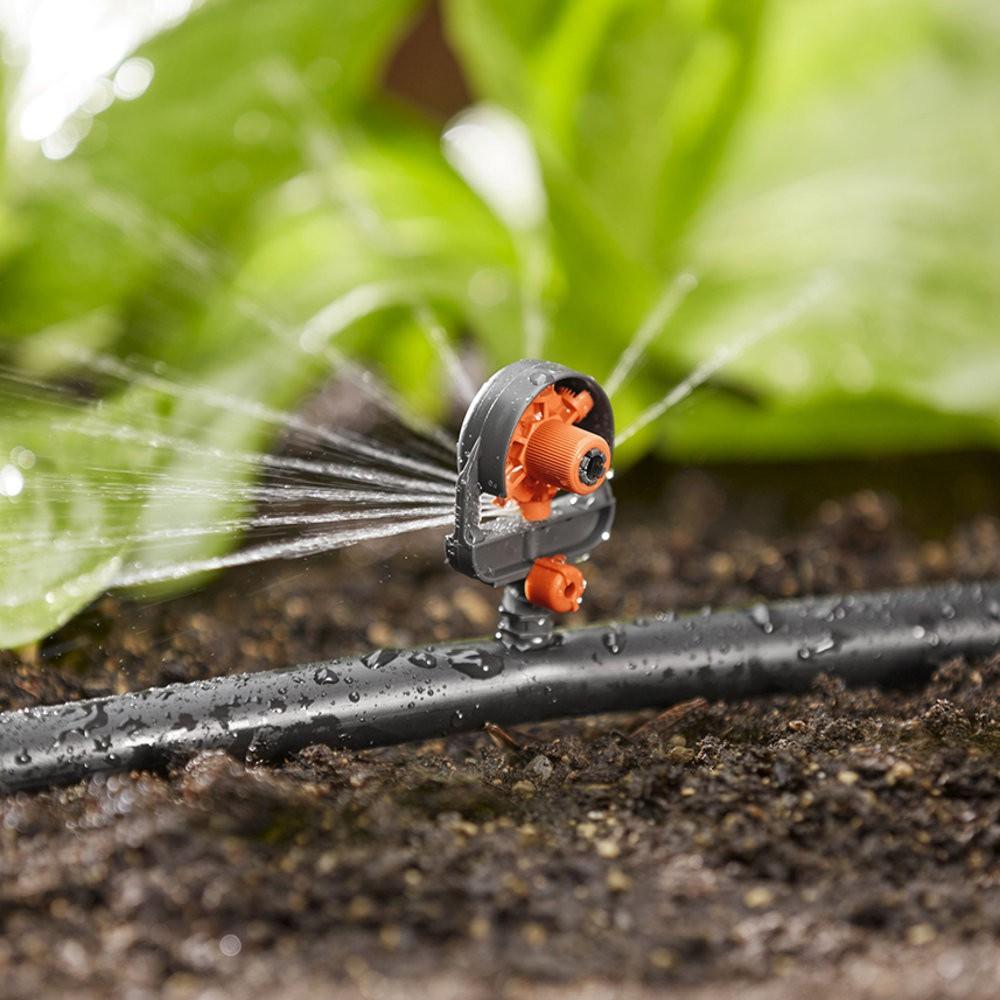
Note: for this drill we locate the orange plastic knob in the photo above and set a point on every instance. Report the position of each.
(549, 453)
(555, 584)
(563, 455)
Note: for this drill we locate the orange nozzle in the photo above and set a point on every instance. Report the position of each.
(555, 584)
(568, 457)
(549, 453)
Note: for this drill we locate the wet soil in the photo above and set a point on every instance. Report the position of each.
(843, 843)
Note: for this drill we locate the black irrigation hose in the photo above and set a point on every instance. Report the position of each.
(391, 696)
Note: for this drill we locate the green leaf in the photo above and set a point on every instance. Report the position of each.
(140, 228)
(632, 105)
(6, 223)
(630, 101)
(240, 92)
(64, 520)
(241, 95)
(172, 530)
(882, 168)
(388, 205)
(385, 229)
(760, 153)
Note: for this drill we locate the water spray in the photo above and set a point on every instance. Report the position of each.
(538, 438)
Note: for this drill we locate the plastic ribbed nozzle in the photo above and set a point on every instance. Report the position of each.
(566, 456)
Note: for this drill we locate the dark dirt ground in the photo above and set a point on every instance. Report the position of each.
(839, 843)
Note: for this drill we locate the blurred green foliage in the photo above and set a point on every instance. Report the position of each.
(266, 173)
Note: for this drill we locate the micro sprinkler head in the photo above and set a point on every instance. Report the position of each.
(540, 436)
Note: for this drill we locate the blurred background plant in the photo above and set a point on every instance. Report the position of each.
(246, 193)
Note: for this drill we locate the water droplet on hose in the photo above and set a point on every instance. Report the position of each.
(426, 660)
(614, 641)
(355, 696)
(379, 658)
(824, 644)
(760, 615)
(479, 664)
(324, 675)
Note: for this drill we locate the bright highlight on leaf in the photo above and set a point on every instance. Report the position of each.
(11, 481)
(492, 150)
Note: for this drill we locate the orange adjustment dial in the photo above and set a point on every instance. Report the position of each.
(555, 584)
(549, 453)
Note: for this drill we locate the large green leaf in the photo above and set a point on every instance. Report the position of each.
(360, 246)
(242, 92)
(855, 141)
(631, 105)
(356, 220)
(6, 223)
(878, 161)
(630, 102)
(138, 234)
(68, 503)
